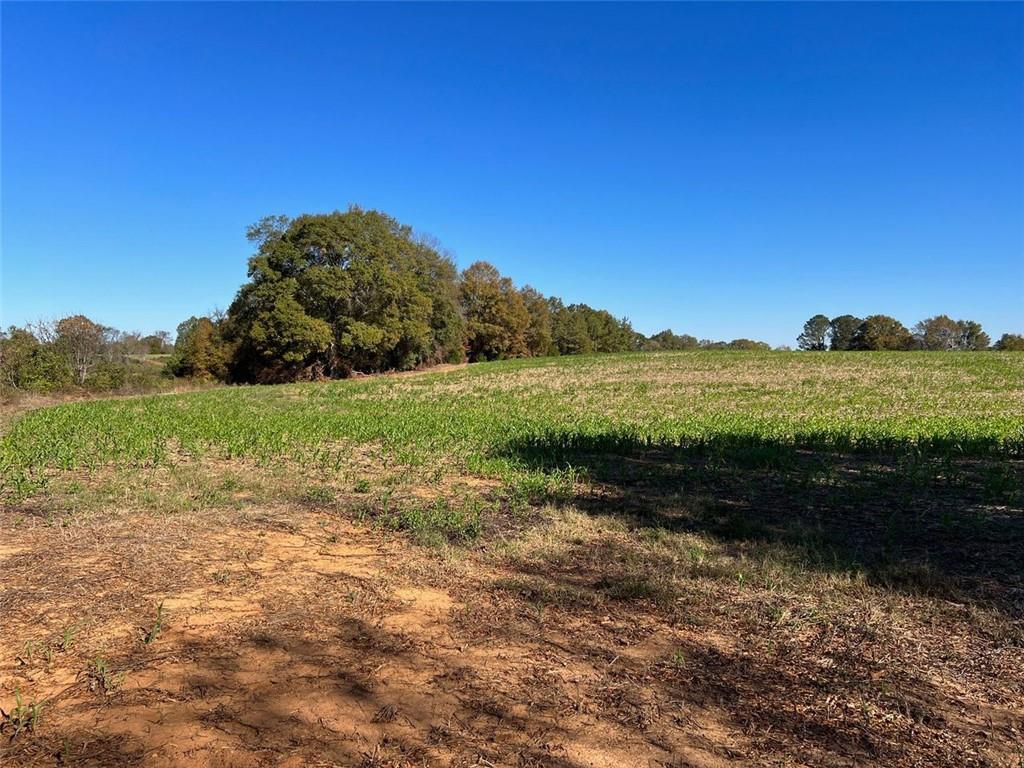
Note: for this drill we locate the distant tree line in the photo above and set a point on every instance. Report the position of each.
(332, 294)
(881, 332)
(667, 340)
(77, 352)
(356, 291)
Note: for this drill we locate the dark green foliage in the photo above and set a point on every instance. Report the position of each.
(1010, 342)
(667, 340)
(569, 329)
(28, 364)
(841, 332)
(280, 331)
(340, 292)
(356, 291)
(881, 332)
(608, 333)
(540, 338)
(580, 329)
(814, 334)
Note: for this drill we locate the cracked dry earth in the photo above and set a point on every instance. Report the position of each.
(290, 636)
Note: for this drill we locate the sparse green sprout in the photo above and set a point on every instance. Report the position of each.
(28, 652)
(319, 494)
(67, 638)
(158, 625)
(101, 677)
(23, 718)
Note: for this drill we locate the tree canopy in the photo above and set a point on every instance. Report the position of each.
(200, 351)
(1010, 342)
(328, 295)
(881, 332)
(332, 293)
(497, 319)
(813, 337)
(841, 332)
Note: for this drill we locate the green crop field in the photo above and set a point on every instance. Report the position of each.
(816, 557)
(477, 418)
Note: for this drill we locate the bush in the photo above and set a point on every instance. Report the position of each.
(27, 364)
(1010, 342)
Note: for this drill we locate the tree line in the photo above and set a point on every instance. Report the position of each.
(329, 295)
(881, 332)
(357, 291)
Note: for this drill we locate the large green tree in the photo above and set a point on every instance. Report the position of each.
(581, 329)
(841, 332)
(497, 318)
(200, 351)
(814, 333)
(569, 329)
(880, 332)
(346, 291)
(607, 333)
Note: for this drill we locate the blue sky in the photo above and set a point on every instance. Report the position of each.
(723, 170)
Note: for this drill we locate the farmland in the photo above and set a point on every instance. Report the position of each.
(694, 558)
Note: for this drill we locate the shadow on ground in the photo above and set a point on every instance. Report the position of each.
(939, 523)
(279, 696)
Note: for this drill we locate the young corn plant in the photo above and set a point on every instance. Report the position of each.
(102, 678)
(154, 631)
(23, 717)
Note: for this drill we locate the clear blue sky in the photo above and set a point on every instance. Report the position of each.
(725, 170)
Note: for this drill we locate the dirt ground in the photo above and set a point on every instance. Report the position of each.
(289, 635)
(286, 639)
